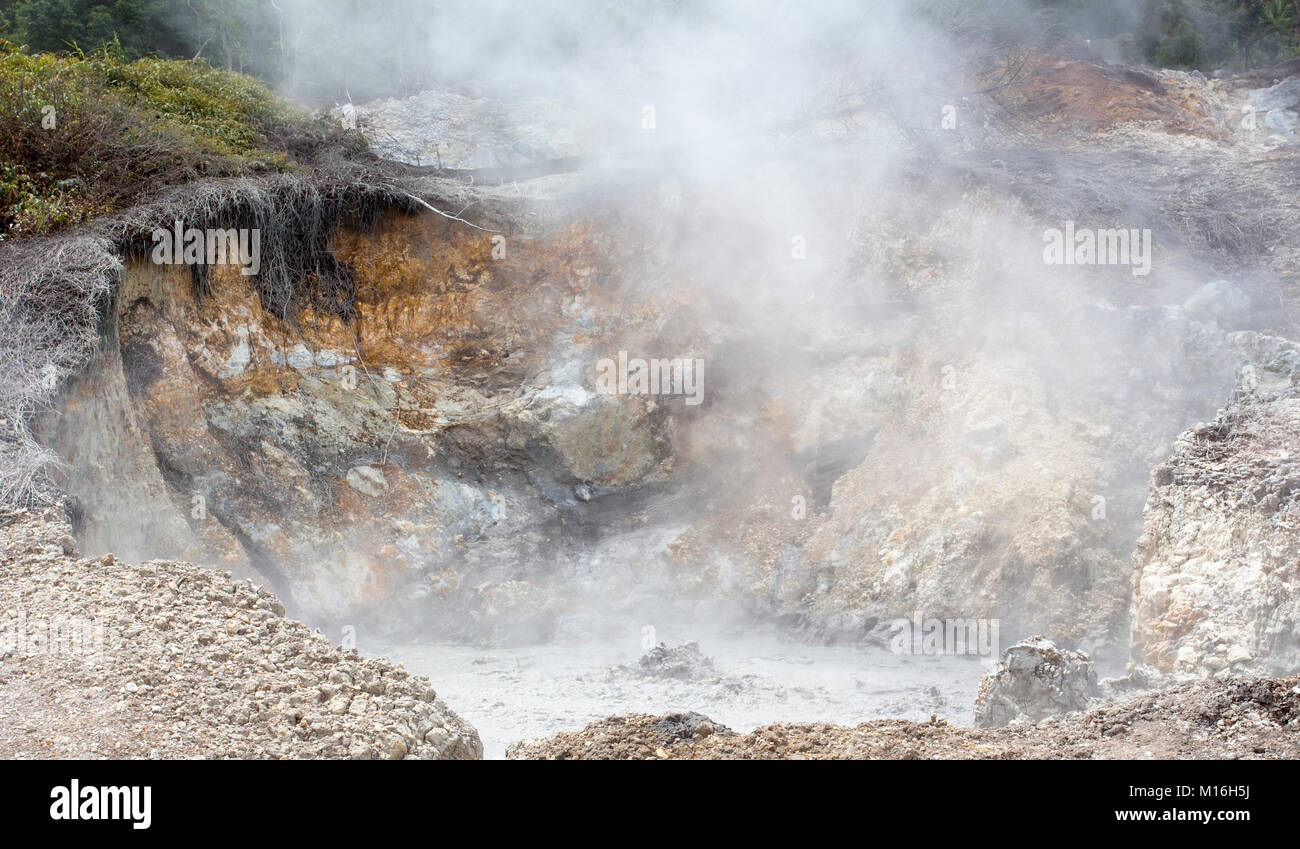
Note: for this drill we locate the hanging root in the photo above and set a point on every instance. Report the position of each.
(54, 293)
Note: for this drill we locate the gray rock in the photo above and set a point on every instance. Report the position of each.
(1284, 95)
(678, 727)
(453, 131)
(1219, 555)
(1282, 121)
(684, 662)
(1035, 680)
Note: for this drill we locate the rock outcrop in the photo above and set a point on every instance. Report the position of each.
(1217, 570)
(409, 464)
(920, 413)
(445, 460)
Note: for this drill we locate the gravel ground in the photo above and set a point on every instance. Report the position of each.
(104, 659)
(1235, 718)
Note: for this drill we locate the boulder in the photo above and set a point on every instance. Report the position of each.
(1282, 121)
(1035, 680)
(685, 662)
(367, 480)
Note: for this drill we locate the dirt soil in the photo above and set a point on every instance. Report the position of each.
(1250, 718)
(103, 659)
(1084, 97)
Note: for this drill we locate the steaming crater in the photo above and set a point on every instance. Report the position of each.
(905, 410)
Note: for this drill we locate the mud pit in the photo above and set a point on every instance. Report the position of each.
(757, 677)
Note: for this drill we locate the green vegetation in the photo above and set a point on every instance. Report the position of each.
(88, 128)
(323, 51)
(239, 35)
(319, 51)
(84, 134)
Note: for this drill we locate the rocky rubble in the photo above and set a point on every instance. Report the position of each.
(1247, 718)
(464, 131)
(105, 659)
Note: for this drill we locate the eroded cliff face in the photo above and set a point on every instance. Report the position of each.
(1218, 566)
(441, 446)
(904, 431)
(970, 444)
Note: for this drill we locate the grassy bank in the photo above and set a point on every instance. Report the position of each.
(82, 135)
